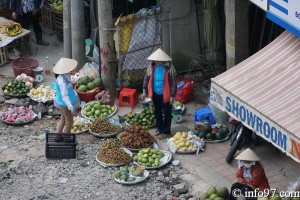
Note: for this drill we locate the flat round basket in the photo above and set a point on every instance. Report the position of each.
(217, 141)
(108, 116)
(113, 165)
(17, 123)
(106, 135)
(163, 161)
(138, 179)
(15, 95)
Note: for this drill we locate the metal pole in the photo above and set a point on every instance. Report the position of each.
(67, 29)
(108, 58)
(78, 32)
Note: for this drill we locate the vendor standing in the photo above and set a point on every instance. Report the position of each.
(160, 83)
(250, 174)
(66, 98)
(27, 12)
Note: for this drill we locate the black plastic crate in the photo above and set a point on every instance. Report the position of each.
(61, 145)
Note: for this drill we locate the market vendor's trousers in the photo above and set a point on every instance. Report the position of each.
(66, 121)
(163, 122)
(26, 19)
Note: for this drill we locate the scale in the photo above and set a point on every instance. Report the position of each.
(39, 77)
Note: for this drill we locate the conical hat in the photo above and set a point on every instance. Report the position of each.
(159, 55)
(248, 155)
(64, 65)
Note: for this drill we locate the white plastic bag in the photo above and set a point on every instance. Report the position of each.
(89, 70)
(96, 56)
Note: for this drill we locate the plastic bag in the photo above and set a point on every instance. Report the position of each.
(185, 89)
(96, 56)
(89, 70)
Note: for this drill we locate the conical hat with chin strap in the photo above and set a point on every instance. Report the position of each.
(159, 55)
(64, 65)
(248, 155)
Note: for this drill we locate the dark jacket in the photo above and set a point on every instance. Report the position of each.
(15, 6)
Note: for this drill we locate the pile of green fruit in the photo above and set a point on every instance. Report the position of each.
(94, 110)
(15, 87)
(149, 157)
(204, 130)
(129, 174)
(58, 5)
(214, 193)
(145, 119)
(88, 83)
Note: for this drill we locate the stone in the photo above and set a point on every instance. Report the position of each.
(40, 107)
(27, 99)
(160, 173)
(12, 101)
(182, 191)
(50, 111)
(84, 164)
(63, 179)
(2, 100)
(176, 194)
(27, 104)
(166, 172)
(179, 186)
(22, 100)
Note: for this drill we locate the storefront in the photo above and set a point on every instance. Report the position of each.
(263, 90)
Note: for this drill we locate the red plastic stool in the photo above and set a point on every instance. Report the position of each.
(128, 97)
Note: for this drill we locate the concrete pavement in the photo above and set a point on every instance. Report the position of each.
(207, 169)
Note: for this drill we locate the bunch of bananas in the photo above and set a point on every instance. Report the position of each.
(13, 30)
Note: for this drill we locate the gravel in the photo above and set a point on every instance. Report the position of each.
(25, 172)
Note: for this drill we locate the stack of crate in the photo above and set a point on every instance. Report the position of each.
(58, 24)
(47, 16)
(3, 56)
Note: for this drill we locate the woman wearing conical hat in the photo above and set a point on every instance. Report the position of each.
(160, 83)
(66, 98)
(250, 174)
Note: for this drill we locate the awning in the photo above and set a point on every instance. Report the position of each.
(263, 92)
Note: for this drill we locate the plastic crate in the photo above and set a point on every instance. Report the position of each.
(58, 20)
(47, 17)
(60, 145)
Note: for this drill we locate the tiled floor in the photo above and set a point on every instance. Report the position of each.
(279, 172)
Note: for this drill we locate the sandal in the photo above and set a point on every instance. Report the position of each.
(164, 136)
(157, 133)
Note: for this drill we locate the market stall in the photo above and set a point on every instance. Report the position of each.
(263, 93)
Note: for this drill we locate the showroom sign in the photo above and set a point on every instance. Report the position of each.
(285, 13)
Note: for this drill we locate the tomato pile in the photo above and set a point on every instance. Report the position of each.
(23, 113)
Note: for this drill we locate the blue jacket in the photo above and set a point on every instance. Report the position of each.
(15, 6)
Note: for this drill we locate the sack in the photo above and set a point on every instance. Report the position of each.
(185, 89)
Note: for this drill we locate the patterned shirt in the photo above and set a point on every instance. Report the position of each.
(27, 6)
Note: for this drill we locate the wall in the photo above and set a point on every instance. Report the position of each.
(184, 33)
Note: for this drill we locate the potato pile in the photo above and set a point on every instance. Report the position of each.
(135, 137)
(103, 126)
(111, 152)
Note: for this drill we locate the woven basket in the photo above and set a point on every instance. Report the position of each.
(24, 65)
